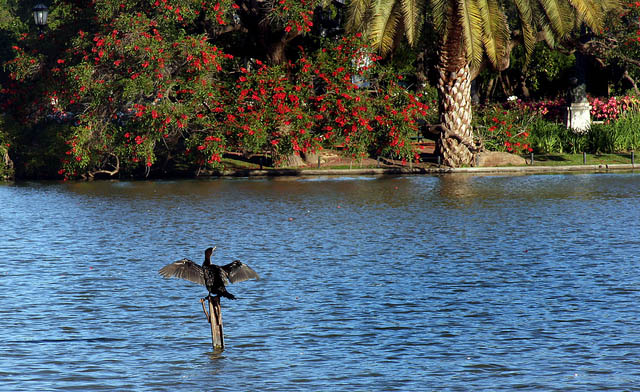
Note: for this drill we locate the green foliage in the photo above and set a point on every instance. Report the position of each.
(6, 165)
(430, 98)
(521, 128)
(11, 27)
(617, 46)
(615, 136)
(546, 71)
(505, 127)
(136, 86)
(620, 135)
(35, 149)
(548, 136)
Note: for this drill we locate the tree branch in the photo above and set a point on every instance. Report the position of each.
(112, 173)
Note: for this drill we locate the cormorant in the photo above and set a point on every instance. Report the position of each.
(212, 276)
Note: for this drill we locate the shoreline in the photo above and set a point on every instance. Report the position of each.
(380, 171)
(599, 168)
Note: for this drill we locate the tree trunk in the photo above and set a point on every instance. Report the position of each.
(456, 142)
(628, 78)
(276, 52)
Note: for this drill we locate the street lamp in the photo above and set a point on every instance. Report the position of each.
(40, 13)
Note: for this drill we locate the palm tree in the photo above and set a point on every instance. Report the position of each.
(470, 32)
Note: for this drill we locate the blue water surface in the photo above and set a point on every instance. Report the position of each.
(451, 283)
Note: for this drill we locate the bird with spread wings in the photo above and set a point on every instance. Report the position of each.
(213, 277)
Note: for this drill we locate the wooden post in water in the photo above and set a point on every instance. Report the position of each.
(215, 320)
(217, 335)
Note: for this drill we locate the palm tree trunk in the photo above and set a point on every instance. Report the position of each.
(455, 144)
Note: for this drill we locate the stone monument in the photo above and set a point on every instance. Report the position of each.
(579, 110)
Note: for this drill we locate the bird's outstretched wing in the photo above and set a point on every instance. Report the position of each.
(184, 269)
(239, 272)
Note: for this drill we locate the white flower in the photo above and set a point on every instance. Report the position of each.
(512, 98)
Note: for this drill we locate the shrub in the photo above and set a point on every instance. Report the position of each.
(616, 127)
(622, 134)
(504, 127)
(612, 108)
(548, 137)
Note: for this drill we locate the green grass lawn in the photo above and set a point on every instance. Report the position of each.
(577, 159)
(231, 163)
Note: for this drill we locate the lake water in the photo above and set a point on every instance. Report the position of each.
(451, 283)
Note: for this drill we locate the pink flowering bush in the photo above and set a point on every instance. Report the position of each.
(612, 108)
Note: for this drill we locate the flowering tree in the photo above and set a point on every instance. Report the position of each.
(143, 86)
(272, 25)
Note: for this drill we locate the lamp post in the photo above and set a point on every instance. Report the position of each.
(40, 13)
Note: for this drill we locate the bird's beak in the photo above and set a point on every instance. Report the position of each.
(214, 248)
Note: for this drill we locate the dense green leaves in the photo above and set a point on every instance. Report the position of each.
(141, 87)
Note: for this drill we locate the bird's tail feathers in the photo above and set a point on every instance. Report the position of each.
(227, 294)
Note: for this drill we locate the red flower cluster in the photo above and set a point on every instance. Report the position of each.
(506, 128)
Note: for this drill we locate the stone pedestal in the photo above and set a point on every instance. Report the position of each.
(579, 117)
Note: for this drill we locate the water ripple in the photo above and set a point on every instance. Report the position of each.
(450, 283)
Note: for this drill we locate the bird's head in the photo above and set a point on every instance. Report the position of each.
(209, 251)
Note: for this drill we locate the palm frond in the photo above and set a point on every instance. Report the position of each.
(525, 11)
(439, 12)
(384, 26)
(357, 15)
(412, 15)
(471, 23)
(495, 28)
(548, 35)
(588, 10)
(554, 15)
